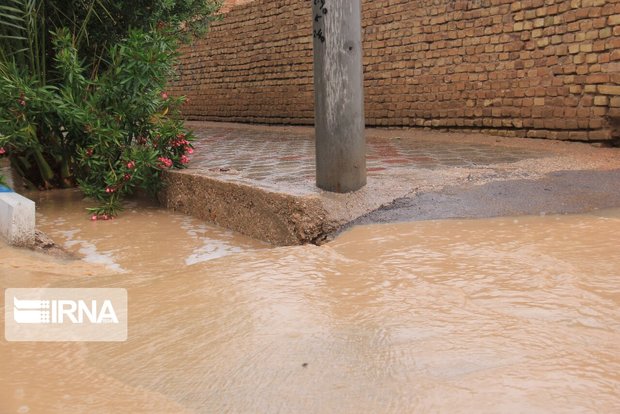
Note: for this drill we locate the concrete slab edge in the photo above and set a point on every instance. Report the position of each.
(277, 218)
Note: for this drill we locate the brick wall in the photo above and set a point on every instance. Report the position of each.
(538, 68)
(229, 4)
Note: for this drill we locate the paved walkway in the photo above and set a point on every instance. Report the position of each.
(284, 156)
(259, 180)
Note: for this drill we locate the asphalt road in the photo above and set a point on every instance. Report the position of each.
(557, 193)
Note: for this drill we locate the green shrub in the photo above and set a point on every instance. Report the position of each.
(96, 26)
(82, 92)
(111, 135)
(29, 125)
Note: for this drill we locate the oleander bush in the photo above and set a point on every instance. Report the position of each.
(94, 114)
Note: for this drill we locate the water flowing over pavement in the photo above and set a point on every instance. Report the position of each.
(494, 315)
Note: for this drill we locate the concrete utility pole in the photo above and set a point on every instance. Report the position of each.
(339, 95)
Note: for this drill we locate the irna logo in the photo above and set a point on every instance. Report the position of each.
(65, 314)
(59, 311)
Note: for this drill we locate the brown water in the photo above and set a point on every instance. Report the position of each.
(501, 315)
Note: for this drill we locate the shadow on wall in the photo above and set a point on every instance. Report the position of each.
(615, 129)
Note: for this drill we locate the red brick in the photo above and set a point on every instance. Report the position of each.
(429, 67)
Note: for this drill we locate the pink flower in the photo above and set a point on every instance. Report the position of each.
(179, 141)
(189, 150)
(127, 177)
(164, 96)
(131, 165)
(165, 162)
(2, 151)
(109, 190)
(105, 217)
(93, 217)
(184, 159)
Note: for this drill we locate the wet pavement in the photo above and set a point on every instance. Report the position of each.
(560, 192)
(286, 156)
(259, 180)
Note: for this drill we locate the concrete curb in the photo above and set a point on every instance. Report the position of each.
(17, 218)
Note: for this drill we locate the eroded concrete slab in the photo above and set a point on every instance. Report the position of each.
(259, 180)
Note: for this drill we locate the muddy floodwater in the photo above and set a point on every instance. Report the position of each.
(501, 315)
